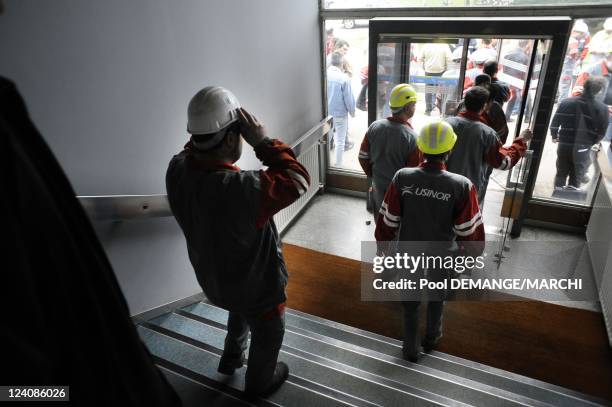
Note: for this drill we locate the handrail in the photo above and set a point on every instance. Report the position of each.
(126, 207)
(123, 207)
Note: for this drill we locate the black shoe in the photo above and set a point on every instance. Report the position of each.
(281, 373)
(412, 357)
(349, 145)
(430, 344)
(229, 364)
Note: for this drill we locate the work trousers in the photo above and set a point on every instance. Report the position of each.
(378, 192)
(411, 324)
(573, 161)
(340, 133)
(435, 308)
(517, 95)
(267, 333)
(430, 97)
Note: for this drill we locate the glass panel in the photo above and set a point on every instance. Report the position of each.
(434, 72)
(350, 39)
(433, 67)
(349, 4)
(516, 178)
(566, 173)
(514, 64)
(480, 50)
(389, 73)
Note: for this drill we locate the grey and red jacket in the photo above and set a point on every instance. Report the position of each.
(226, 216)
(388, 145)
(478, 147)
(428, 203)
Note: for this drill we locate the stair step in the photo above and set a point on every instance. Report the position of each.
(201, 361)
(347, 384)
(401, 372)
(526, 386)
(194, 393)
(524, 389)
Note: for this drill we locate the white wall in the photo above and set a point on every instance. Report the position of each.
(108, 82)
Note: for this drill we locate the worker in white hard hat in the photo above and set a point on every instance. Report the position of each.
(577, 51)
(478, 59)
(430, 204)
(390, 144)
(600, 43)
(226, 216)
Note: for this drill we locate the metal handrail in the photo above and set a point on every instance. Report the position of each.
(127, 207)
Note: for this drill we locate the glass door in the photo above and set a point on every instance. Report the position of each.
(521, 48)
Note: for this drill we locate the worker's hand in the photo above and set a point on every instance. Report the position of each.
(526, 134)
(252, 131)
(555, 140)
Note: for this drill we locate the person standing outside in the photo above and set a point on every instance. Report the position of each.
(478, 145)
(436, 59)
(578, 124)
(603, 69)
(478, 61)
(390, 144)
(340, 103)
(502, 89)
(577, 49)
(448, 215)
(601, 43)
(232, 241)
(519, 58)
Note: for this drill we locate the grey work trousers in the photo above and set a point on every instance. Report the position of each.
(267, 333)
(435, 308)
(411, 324)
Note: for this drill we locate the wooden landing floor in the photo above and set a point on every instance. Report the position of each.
(564, 346)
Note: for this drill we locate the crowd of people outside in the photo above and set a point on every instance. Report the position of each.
(435, 70)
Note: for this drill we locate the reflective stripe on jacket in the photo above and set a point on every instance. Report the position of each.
(429, 203)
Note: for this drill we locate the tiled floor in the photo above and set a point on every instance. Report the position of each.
(337, 224)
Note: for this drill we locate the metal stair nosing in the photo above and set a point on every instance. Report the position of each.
(204, 382)
(500, 395)
(454, 360)
(339, 397)
(326, 364)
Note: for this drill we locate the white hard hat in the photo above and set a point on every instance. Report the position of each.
(211, 110)
(581, 26)
(608, 24)
(481, 55)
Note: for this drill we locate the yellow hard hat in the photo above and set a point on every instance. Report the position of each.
(436, 138)
(401, 95)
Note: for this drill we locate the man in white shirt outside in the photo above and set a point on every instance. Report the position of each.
(436, 58)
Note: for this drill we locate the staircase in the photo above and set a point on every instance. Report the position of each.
(334, 365)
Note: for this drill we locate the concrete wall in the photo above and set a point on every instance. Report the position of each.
(108, 82)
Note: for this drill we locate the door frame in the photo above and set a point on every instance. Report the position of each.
(555, 29)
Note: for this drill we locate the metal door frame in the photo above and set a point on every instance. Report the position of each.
(556, 29)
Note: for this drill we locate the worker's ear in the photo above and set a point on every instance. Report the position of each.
(231, 140)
